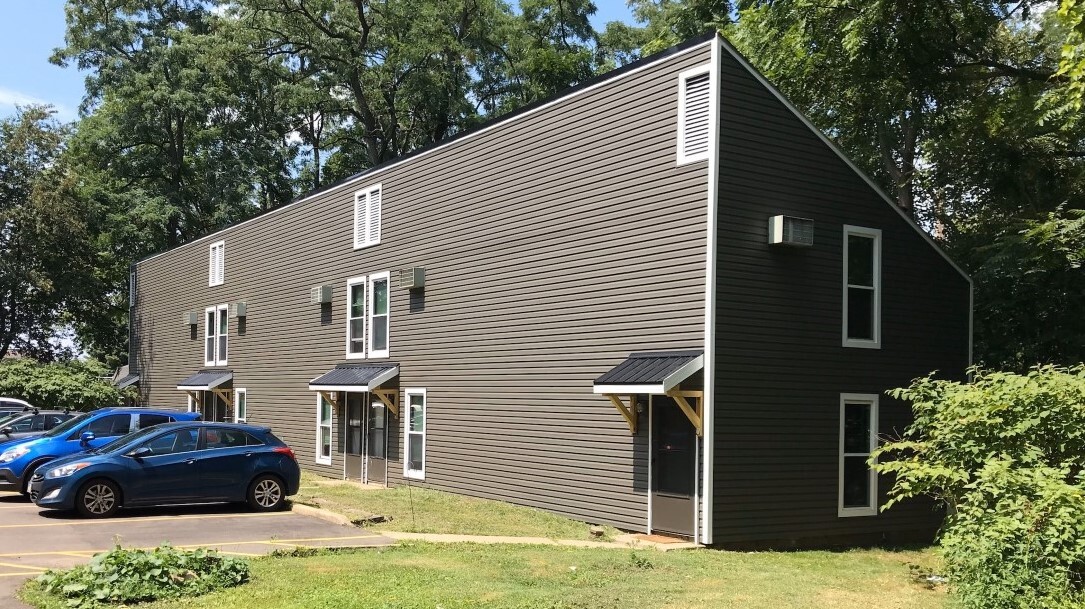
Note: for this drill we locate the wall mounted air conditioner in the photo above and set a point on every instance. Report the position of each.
(789, 230)
(239, 309)
(413, 278)
(320, 294)
(191, 318)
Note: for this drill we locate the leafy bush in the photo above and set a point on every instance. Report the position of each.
(128, 576)
(77, 385)
(1006, 454)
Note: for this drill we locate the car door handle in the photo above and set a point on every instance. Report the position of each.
(190, 461)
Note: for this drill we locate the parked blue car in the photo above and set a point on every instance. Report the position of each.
(19, 459)
(173, 464)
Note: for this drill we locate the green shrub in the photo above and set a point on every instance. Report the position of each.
(1005, 454)
(129, 576)
(77, 385)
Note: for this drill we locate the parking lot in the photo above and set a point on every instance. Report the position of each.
(33, 540)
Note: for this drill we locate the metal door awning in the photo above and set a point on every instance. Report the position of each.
(654, 373)
(126, 381)
(215, 381)
(359, 378)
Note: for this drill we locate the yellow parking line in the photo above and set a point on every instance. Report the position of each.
(137, 520)
(13, 565)
(370, 536)
(24, 574)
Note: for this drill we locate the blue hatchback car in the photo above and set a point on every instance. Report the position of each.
(172, 464)
(19, 459)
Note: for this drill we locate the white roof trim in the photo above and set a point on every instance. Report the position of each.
(206, 387)
(377, 381)
(832, 145)
(369, 175)
(683, 373)
(630, 389)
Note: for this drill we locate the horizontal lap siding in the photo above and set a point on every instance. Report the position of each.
(780, 365)
(554, 245)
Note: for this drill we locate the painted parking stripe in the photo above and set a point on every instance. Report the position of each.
(15, 565)
(23, 574)
(138, 520)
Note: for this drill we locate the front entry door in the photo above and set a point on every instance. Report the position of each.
(354, 423)
(376, 448)
(214, 408)
(674, 468)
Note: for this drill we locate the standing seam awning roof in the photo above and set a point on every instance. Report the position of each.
(126, 381)
(653, 373)
(355, 377)
(205, 380)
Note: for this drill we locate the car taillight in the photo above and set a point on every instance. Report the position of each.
(285, 450)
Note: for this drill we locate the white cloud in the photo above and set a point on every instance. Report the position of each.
(9, 99)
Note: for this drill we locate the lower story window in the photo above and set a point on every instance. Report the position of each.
(323, 431)
(414, 462)
(241, 405)
(858, 484)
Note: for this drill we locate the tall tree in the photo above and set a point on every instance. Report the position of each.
(45, 242)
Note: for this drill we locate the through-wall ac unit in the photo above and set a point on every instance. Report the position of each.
(412, 278)
(789, 230)
(320, 294)
(191, 318)
(239, 309)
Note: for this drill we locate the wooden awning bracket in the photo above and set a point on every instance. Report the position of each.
(332, 397)
(695, 414)
(629, 412)
(227, 396)
(197, 400)
(388, 396)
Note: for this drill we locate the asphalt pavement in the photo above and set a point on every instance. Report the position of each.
(34, 540)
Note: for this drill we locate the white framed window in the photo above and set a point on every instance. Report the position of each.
(694, 114)
(367, 217)
(216, 263)
(414, 435)
(862, 287)
(191, 405)
(216, 331)
(356, 317)
(323, 431)
(241, 405)
(379, 317)
(858, 482)
(132, 288)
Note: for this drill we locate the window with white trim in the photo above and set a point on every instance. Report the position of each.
(323, 431)
(367, 217)
(132, 288)
(216, 263)
(694, 114)
(858, 482)
(216, 329)
(414, 431)
(241, 405)
(378, 314)
(862, 287)
(356, 317)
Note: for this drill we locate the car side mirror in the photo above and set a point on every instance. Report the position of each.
(140, 452)
(7, 431)
(86, 437)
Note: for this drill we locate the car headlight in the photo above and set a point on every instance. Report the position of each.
(13, 453)
(66, 470)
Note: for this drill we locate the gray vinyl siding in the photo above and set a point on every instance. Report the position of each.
(780, 366)
(554, 245)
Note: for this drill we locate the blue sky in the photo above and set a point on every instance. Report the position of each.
(31, 29)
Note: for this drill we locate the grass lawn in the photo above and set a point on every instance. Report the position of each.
(419, 510)
(460, 576)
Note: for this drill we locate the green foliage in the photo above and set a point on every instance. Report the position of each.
(132, 576)
(77, 385)
(1005, 453)
(1069, 101)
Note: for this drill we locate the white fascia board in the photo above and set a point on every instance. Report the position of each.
(630, 389)
(683, 373)
(348, 388)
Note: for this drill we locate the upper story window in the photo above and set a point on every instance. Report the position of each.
(694, 114)
(216, 263)
(858, 482)
(367, 217)
(378, 315)
(356, 318)
(216, 330)
(862, 287)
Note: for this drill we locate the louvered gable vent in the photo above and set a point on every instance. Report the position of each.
(694, 111)
(367, 217)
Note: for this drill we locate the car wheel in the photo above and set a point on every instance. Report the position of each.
(266, 494)
(28, 474)
(98, 499)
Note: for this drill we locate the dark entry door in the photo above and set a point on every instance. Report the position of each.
(354, 422)
(214, 408)
(674, 468)
(376, 443)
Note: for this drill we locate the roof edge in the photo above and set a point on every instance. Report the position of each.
(491, 123)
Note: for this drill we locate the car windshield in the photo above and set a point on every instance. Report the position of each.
(124, 440)
(67, 426)
(4, 420)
